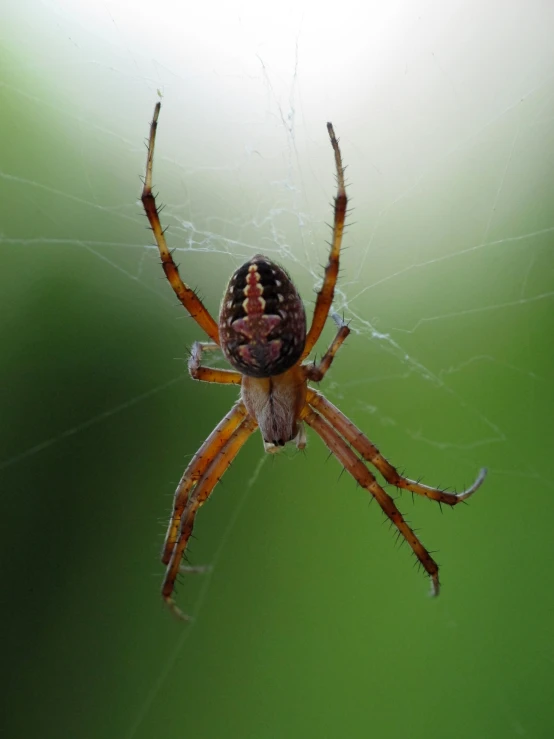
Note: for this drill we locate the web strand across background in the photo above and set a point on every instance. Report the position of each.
(447, 280)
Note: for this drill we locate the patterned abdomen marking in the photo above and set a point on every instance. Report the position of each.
(262, 324)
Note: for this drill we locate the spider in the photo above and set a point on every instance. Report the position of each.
(263, 335)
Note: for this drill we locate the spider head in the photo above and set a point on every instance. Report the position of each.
(262, 323)
(276, 403)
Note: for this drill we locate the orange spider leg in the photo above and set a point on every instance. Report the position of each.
(197, 467)
(325, 295)
(370, 453)
(197, 498)
(363, 476)
(316, 372)
(210, 374)
(188, 297)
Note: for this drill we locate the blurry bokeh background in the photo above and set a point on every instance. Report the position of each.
(313, 623)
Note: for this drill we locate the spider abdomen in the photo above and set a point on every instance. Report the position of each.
(262, 323)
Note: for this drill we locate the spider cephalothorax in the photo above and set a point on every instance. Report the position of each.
(262, 333)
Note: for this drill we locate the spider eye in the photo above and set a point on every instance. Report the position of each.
(262, 323)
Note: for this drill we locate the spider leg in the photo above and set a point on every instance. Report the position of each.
(316, 372)
(196, 469)
(370, 453)
(197, 498)
(363, 476)
(188, 297)
(210, 374)
(327, 291)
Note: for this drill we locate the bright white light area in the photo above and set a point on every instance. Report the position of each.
(444, 115)
(407, 81)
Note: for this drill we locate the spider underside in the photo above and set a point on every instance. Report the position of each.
(262, 333)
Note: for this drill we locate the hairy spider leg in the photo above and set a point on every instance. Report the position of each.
(210, 374)
(196, 469)
(197, 498)
(186, 295)
(327, 291)
(316, 372)
(371, 454)
(363, 476)
(213, 444)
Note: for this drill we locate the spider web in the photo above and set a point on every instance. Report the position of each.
(447, 268)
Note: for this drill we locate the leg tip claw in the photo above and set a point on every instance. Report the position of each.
(176, 611)
(435, 587)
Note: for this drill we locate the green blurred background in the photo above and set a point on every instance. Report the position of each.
(312, 623)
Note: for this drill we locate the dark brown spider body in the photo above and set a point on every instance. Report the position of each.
(262, 323)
